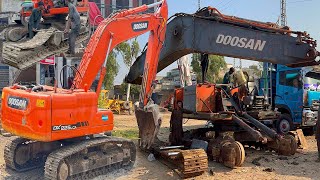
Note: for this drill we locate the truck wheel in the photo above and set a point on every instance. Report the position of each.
(284, 124)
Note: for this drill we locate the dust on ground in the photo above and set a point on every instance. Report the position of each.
(258, 164)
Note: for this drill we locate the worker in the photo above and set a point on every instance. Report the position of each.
(34, 20)
(73, 23)
(239, 80)
(176, 129)
(204, 65)
(226, 78)
(185, 75)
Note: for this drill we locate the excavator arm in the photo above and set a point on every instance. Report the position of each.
(112, 31)
(209, 31)
(121, 27)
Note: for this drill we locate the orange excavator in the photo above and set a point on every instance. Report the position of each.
(53, 8)
(21, 52)
(61, 129)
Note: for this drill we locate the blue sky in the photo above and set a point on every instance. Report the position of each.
(302, 15)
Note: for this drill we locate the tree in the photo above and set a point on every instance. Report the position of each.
(129, 52)
(112, 69)
(255, 70)
(216, 64)
(134, 90)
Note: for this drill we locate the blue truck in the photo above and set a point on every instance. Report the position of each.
(295, 92)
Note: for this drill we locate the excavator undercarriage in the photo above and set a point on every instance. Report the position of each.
(47, 42)
(76, 159)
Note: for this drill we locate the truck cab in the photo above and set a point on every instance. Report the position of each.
(295, 93)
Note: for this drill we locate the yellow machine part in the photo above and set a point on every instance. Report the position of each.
(115, 104)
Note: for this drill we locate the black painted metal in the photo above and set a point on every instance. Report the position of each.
(194, 34)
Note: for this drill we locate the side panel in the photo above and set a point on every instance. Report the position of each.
(189, 98)
(206, 97)
(75, 115)
(26, 114)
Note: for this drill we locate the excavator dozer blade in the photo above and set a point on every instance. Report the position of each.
(149, 122)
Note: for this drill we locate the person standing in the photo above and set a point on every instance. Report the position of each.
(185, 75)
(227, 76)
(204, 65)
(34, 20)
(73, 23)
(176, 125)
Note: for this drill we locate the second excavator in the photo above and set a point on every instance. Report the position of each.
(249, 117)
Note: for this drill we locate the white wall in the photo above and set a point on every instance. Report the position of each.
(10, 5)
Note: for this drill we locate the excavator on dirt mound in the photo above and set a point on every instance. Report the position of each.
(61, 128)
(20, 52)
(251, 119)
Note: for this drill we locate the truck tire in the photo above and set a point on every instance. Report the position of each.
(284, 124)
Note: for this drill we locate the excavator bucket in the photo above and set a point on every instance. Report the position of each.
(149, 122)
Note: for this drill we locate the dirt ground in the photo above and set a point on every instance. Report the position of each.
(270, 166)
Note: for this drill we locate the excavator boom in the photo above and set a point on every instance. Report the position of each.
(213, 33)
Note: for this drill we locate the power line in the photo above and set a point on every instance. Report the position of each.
(291, 2)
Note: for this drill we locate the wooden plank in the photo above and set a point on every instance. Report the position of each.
(302, 139)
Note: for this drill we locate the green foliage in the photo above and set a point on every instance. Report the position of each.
(256, 70)
(128, 134)
(134, 89)
(112, 71)
(216, 64)
(128, 52)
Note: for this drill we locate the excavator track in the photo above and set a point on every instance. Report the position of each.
(91, 158)
(187, 163)
(15, 156)
(194, 162)
(46, 42)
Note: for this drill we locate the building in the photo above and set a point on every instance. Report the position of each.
(172, 80)
(109, 6)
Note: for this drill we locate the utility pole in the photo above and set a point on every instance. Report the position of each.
(199, 4)
(283, 6)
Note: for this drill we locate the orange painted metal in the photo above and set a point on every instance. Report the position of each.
(55, 114)
(205, 96)
(178, 96)
(82, 7)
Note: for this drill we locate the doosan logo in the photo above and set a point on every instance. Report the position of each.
(17, 103)
(140, 26)
(257, 45)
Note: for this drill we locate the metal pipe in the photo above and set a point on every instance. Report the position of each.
(171, 147)
(269, 132)
(154, 4)
(173, 153)
(254, 133)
